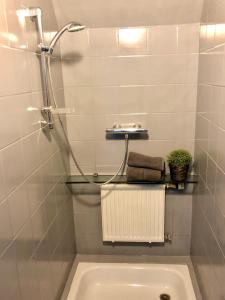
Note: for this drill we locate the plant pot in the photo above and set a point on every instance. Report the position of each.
(179, 174)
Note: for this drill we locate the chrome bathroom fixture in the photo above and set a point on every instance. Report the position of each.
(129, 128)
(48, 91)
(36, 16)
(70, 27)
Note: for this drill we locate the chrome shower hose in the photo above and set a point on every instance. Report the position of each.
(123, 163)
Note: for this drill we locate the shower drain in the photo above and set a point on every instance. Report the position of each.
(164, 297)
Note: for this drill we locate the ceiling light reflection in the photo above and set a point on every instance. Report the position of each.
(9, 36)
(130, 37)
(22, 14)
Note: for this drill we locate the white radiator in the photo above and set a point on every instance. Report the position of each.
(133, 213)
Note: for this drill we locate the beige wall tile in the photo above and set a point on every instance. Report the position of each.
(188, 38)
(104, 71)
(163, 39)
(82, 75)
(79, 99)
(132, 41)
(19, 208)
(15, 72)
(103, 42)
(208, 211)
(3, 25)
(28, 168)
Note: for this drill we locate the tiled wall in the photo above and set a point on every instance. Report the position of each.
(36, 225)
(144, 74)
(208, 226)
(101, 13)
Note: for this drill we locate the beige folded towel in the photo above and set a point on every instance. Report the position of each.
(143, 174)
(144, 161)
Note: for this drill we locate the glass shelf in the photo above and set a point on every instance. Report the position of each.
(192, 179)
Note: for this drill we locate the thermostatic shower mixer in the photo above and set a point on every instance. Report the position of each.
(123, 128)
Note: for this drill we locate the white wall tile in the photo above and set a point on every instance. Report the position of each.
(15, 72)
(19, 208)
(132, 41)
(31, 152)
(49, 179)
(208, 221)
(138, 13)
(13, 165)
(80, 127)
(35, 190)
(3, 25)
(221, 154)
(186, 97)
(24, 118)
(57, 76)
(104, 71)
(2, 179)
(109, 152)
(127, 85)
(46, 144)
(5, 228)
(39, 223)
(118, 100)
(188, 38)
(162, 126)
(104, 99)
(84, 152)
(20, 151)
(76, 72)
(103, 42)
(163, 39)
(174, 69)
(34, 71)
(16, 26)
(159, 98)
(186, 126)
(31, 105)
(79, 99)
(10, 281)
(10, 120)
(134, 70)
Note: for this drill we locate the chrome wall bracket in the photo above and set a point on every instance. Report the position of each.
(48, 118)
(175, 186)
(168, 237)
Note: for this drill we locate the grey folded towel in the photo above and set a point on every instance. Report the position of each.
(143, 174)
(144, 161)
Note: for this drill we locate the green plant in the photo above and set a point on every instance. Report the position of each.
(179, 158)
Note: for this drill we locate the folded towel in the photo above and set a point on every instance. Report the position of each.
(144, 161)
(143, 174)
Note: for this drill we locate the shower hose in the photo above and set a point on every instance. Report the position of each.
(123, 163)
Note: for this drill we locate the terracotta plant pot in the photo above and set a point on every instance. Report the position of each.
(179, 174)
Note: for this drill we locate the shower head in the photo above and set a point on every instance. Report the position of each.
(70, 27)
(75, 27)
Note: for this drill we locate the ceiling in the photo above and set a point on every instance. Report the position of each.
(128, 13)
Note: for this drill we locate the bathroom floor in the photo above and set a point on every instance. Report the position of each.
(127, 292)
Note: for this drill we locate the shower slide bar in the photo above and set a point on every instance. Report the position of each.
(36, 16)
(46, 51)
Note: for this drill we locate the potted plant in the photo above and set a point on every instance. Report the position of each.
(179, 163)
